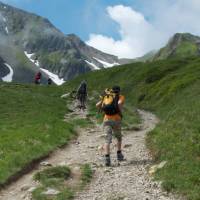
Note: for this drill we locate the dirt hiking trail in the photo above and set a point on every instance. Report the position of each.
(128, 180)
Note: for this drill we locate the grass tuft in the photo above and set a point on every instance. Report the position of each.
(86, 174)
(52, 176)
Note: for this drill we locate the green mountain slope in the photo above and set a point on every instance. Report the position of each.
(170, 88)
(180, 45)
(147, 57)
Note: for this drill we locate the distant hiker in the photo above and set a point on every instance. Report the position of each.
(36, 59)
(38, 77)
(49, 81)
(111, 105)
(82, 95)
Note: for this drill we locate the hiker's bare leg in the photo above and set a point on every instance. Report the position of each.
(120, 156)
(119, 145)
(107, 125)
(107, 149)
(82, 105)
(118, 135)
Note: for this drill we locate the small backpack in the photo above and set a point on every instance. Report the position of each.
(82, 88)
(110, 103)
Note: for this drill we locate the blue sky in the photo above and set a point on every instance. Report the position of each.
(81, 17)
(126, 28)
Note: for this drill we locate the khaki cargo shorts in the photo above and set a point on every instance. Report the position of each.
(112, 128)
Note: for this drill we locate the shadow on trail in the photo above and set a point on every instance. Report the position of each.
(140, 162)
(145, 162)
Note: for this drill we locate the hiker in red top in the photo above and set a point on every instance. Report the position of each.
(38, 78)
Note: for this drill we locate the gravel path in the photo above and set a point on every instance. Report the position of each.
(128, 180)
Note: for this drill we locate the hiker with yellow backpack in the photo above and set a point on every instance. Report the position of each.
(111, 105)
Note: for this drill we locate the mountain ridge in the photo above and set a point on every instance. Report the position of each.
(180, 45)
(27, 39)
(64, 55)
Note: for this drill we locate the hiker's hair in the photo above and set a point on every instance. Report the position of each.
(116, 89)
(83, 82)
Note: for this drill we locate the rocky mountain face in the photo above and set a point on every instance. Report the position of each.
(180, 45)
(29, 43)
(4, 70)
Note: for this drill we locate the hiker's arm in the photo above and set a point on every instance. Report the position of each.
(121, 103)
(98, 105)
(120, 106)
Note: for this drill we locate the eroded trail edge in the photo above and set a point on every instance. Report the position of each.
(128, 181)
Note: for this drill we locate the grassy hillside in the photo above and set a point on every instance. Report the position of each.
(170, 88)
(181, 45)
(31, 125)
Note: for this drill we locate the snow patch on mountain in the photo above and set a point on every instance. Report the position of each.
(6, 29)
(9, 76)
(92, 64)
(29, 56)
(53, 77)
(106, 64)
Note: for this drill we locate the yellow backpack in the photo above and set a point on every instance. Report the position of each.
(110, 102)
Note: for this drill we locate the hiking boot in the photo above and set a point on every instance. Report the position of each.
(120, 156)
(107, 161)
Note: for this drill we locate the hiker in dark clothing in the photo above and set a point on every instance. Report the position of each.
(38, 77)
(82, 95)
(49, 81)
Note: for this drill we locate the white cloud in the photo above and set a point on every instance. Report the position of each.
(139, 35)
(179, 16)
(109, 45)
(134, 30)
